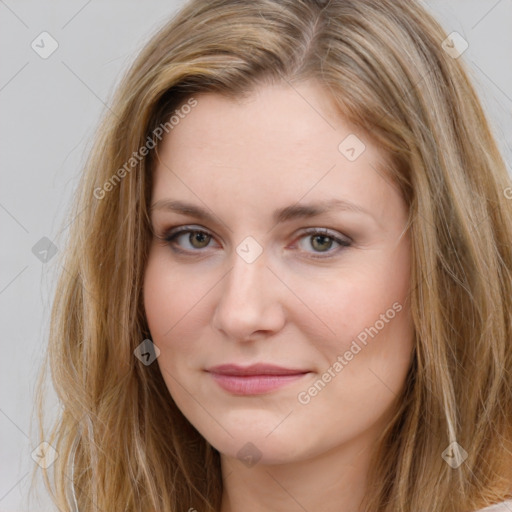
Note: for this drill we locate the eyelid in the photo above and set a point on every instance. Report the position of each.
(341, 239)
(328, 232)
(168, 236)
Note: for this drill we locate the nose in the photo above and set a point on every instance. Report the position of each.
(250, 303)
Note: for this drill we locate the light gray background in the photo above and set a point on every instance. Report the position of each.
(50, 108)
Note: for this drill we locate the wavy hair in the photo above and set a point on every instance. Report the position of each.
(122, 442)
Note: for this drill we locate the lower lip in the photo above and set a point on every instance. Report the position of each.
(254, 384)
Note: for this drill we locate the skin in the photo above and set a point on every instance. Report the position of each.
(243, 159)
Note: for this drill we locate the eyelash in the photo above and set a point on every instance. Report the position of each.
(170, 236)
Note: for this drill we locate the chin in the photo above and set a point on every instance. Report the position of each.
(250, 447)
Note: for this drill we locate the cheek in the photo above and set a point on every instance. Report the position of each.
(177, 312)
(346, 306)
(167, 300)
(159, 298)
(170, 295)
(364, 314)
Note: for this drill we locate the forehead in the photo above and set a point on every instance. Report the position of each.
(302, 116)
(280, 142)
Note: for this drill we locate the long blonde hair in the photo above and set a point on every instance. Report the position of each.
(122, 442)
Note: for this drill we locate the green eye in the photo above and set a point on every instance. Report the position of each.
(321, 240)
(197, 239)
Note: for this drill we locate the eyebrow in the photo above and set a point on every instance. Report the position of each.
(288, 213)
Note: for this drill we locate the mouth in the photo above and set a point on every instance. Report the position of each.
(256, 379)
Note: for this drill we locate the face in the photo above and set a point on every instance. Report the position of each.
(278, 242)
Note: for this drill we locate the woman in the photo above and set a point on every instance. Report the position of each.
(288, 283)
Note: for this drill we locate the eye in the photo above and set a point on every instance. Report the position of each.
(188, 239)
(322, 240)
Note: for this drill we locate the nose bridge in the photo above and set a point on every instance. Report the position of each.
(246, 303)
(246, 280)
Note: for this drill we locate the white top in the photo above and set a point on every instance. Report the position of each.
(505, 506)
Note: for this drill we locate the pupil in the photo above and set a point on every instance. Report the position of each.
(323, 240)
(199, 237)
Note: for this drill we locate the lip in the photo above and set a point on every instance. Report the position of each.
(255, 379)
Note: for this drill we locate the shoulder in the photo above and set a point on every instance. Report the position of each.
(505, 506)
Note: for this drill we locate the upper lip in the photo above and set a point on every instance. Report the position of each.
(254, 369)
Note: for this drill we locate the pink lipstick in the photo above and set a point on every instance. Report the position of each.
(256, 379)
